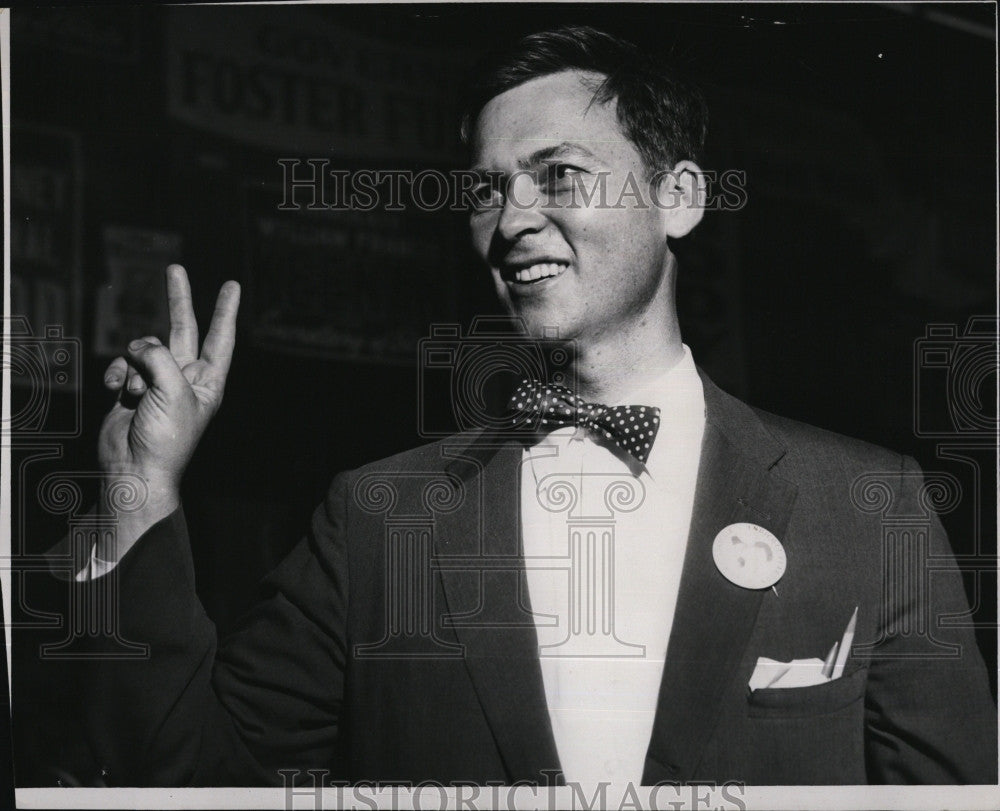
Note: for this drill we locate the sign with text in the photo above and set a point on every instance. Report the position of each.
(45, 285)
(277, 82)
(133, 302)
(345, 284)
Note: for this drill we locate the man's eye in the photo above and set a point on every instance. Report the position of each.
(487, 196)
(556, 173)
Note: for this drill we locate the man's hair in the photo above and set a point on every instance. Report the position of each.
(664, 117)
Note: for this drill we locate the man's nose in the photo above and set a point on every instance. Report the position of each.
(522, 210)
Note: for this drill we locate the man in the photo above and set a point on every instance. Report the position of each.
(640, 639)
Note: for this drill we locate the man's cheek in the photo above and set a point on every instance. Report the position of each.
(479, 237)
(502, 292)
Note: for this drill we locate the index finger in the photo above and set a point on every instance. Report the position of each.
(183, 327)
(217, 350)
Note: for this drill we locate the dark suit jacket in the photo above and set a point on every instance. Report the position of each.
(356, 664)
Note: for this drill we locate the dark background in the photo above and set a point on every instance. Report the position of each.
(867, 135)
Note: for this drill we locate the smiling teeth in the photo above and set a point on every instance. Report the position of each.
(539, 271)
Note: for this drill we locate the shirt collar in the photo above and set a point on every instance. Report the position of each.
(674, 391)
(679, 395)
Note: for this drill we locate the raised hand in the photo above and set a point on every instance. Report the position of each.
(167, 396)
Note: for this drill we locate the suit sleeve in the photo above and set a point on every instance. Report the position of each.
(199, 713)
(930, 715)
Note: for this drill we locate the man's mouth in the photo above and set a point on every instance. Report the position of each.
(530, 274)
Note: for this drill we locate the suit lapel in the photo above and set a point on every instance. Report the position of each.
(713, 619)
(482, 569)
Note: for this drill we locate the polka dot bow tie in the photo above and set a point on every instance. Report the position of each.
(632, 428)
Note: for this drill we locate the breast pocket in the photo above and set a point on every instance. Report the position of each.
(803, 702)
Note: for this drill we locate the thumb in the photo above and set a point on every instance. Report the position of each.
(157, 366)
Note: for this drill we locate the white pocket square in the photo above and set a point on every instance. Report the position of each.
(805, 672)
(796, 673)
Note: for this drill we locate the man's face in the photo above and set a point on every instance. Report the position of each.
(590, 270)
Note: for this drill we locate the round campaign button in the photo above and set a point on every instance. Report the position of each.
(749, 556)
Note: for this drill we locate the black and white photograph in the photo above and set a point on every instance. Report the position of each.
(500, 405)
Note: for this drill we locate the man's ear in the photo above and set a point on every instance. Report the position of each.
(681, 194)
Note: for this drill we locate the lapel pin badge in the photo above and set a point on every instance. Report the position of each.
(749, 556)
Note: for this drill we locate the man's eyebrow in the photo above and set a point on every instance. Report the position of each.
(565, 149)
(562, 150)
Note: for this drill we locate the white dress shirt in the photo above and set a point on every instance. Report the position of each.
(604, 603)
